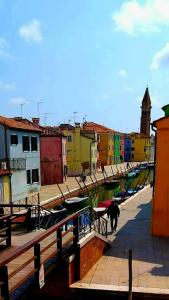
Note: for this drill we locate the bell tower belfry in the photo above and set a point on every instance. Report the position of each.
(145, 114)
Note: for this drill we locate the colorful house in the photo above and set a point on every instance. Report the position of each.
(81, 149)
(52, 157)
(52, 153)
(127, 148)
(105, 142)
(116, 148)
(5, 185)
(140, 147)
(121, 147)
(160, 203)
(20, 153)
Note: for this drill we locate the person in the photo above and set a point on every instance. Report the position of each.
(113, 212)
(83, 177)
(102, 167)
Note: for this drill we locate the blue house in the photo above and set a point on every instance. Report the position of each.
(127, 148)
(20, 153)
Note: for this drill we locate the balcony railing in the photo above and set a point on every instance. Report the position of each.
(17, 164)
(13, 164)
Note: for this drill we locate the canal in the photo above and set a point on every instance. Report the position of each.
(106, 192)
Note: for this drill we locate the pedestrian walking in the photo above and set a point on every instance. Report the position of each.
(113, 212)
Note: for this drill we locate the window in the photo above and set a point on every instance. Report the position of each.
(25, 143)
(132, 141)
(132, 156)
(34, 143)
(69, 138)
(28, 174)
(35, 175)
(132, 148)
(14, 139)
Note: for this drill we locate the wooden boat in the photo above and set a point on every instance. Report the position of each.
(120, 199)
(132, 174)
(75, 200)
(105, 203)
(109, 184)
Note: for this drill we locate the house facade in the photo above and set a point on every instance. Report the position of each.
(116, 148)
(5, 185)
(20, 151)
(105, 142)
(140, 147)
(160, 207)
(52, 157)
(81, 149)
(127, 148)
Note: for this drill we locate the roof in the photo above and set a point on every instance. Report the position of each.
(154, 123)
(4, 172)
(11, 123)
(146, 98)
(97, 127)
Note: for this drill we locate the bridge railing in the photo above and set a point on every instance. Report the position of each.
(30, 257)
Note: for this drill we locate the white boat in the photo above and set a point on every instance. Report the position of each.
(75, 200)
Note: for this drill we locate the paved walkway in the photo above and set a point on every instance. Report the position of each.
(50, 192)
(150, 254)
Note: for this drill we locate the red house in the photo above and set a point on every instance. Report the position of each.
(52, 155)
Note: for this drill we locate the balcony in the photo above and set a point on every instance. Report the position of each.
(17, 164)
(13, 164)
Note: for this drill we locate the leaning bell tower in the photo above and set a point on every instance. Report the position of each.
(145, 114)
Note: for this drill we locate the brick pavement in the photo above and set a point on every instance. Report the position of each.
(150, 254)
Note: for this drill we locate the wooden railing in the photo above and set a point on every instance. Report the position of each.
(29, 257)
(5, 230)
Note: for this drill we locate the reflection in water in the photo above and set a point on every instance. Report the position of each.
(104, 192)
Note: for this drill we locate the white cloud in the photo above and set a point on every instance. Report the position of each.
(31, 32)
(122, 73)
(135, 17)
(18, 101)
(161, 58)
(7, 86)
(128, 88)
(4, 47)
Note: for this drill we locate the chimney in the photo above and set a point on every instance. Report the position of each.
(35, 122)
(77, 125)
(165, 108)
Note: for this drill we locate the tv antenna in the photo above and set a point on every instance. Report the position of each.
(39, 102)
(45, 117)
(75, 113)
(22, 104)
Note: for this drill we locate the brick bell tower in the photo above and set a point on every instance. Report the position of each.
(145, 114)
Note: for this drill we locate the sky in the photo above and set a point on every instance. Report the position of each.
(74, 60)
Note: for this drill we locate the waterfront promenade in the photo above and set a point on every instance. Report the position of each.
(50, 192)
(150, 254)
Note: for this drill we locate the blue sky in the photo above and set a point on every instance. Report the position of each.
(92, 57)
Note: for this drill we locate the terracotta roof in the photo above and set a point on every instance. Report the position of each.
(97, 127)
(11, 123)
(4, 172)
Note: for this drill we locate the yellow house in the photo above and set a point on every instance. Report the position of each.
(5, 191)
(140, 147)
(81, 149)
(105, 142)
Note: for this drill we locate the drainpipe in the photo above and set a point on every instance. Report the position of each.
(152, 127)
(8, 166)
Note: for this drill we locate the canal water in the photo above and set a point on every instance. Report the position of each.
(106, 192)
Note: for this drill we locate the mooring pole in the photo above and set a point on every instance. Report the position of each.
(130, 274)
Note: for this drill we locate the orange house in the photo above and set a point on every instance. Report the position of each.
(160, 207)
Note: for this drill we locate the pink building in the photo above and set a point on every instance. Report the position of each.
(52, 155)
(122, 136)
